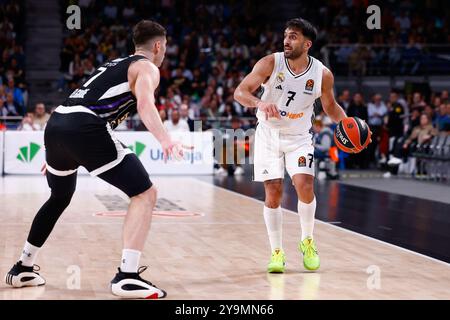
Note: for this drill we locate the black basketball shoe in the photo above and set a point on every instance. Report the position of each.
(132, 286)
(22, 276)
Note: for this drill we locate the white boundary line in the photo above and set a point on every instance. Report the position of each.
(334, 226)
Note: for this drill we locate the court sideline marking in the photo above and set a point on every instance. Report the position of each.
(333, 225)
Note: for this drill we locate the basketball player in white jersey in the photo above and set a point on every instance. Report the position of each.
(292, 80)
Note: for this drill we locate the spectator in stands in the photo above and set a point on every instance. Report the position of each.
(212, 106)
(175, 124)
(2, 92)
(323, 139)
(403, 21)
(184, 116)
(233, 152)
(110, 10)
(446, 127)
(358, 108)
(4, 63)
(228, 111)
(444, 96)
(377, 110)
(394, 123)
(78, 78)
(343, 53)
(16, 72)
(40, 116)
(358, 60)
(411, 57)
(180, 81)
(204, 121)
(28, 124)
(414, 120)
(163, 114)
(88, 68)
(129, 11)
(3, 109)
(11, 108)
(436, 102)
(422, 133)
(75, 64)
(430, 112)
(395, 116)
(443, 117)
(418, 101)
(344, 99)
(17, 95)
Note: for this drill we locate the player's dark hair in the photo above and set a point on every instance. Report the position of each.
(147, 30)
(304, 26)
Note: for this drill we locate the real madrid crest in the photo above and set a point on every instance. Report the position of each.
(280, 77)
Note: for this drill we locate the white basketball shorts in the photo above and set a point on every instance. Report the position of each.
(275, 151)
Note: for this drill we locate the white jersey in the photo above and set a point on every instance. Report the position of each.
(293, 94)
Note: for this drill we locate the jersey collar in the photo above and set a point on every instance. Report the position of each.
(310, 62)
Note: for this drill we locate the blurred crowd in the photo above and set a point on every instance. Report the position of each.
(209, 55)
(206, 57)
(13, 89)
(412, 40)
(400, 124)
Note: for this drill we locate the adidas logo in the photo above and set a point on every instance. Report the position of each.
(28, 254)
(265, 172)
(27, 153)
(138, 148)
(279, 87)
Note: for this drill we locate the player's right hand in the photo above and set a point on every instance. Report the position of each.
(270, 109)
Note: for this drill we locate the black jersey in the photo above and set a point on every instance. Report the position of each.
(107, 92)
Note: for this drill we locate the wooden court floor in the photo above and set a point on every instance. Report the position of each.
(205, 243)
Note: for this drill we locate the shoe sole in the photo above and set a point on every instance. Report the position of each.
(276, 270)
(9, 281)
(117, 290)
(310, 269)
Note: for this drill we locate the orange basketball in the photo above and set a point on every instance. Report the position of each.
(352, 135)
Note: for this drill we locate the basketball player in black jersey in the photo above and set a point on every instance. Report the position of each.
(79, 133)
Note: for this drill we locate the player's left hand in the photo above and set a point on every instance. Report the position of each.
(174, 149)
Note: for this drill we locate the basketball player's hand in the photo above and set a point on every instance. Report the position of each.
(172, 149)
(270, 109)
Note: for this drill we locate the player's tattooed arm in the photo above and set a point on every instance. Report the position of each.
(244, 92)
(329, 104)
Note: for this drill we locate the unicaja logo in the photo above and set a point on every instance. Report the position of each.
(137, 148)
(27, 153)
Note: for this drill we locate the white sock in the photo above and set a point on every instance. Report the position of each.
(274, 225)
(306, 211)
(29, 254)
(130, 260)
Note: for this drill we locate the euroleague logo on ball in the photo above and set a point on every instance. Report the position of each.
(350, 126)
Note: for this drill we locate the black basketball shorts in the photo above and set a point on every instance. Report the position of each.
(76, 136)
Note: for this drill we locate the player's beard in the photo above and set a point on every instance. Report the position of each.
(294, 53)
